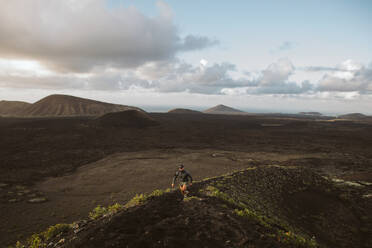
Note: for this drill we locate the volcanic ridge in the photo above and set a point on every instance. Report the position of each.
(224, 110)
(266, 206)
(65, 105)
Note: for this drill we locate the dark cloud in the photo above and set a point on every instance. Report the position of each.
(76, 36)
(319, 68)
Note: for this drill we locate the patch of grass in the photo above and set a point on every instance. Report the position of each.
(286, 237)
(18, 245)
(215, 192)
(98, 212)
(40, 240)
(55, 230)
(191, 198)
(138, 199)
(253, 216)
(36, 242)
(115, 208)
(157, 192)
(295, 240)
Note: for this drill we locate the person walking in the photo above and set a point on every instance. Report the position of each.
(184, 178)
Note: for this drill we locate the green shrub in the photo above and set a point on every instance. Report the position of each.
(253, 216)
(55, 230)
(157, 192)
(36, 242)
(40, 240)
(137, 200)
(98, 212)
(295, 240)
(115, 208)
(214, 192)
(191, 198)
(19, 245)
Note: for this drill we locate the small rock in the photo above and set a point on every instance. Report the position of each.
(78, 230)
(37, 200)
(19, 187)
(61, 241)
(365, 183)
(3, 185)
(32, 195)
(13, 200)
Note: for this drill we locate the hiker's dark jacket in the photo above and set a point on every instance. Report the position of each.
(183, 175)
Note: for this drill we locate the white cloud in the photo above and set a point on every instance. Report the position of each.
(203, 62)
(77, 36)
(277, 73)
(351, 77)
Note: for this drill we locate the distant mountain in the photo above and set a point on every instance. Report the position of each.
(12, 108)
(183, 111)
(353, 116)
(225, 110)
(65, 105)
(127, 118)
(310, 113)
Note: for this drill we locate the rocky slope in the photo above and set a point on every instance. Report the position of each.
(269, 206)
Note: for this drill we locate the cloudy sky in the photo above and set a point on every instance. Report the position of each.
(266, 56)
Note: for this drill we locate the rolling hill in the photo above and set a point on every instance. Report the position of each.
(12, 108)
(183, 111)
(127, 118)
(353, 116)
(65, 105)
(224, 110)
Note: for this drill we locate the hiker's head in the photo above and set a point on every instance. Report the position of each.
(181, 167)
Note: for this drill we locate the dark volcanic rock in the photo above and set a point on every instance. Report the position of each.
(271, 206)
(127, 118)
(183, 111)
